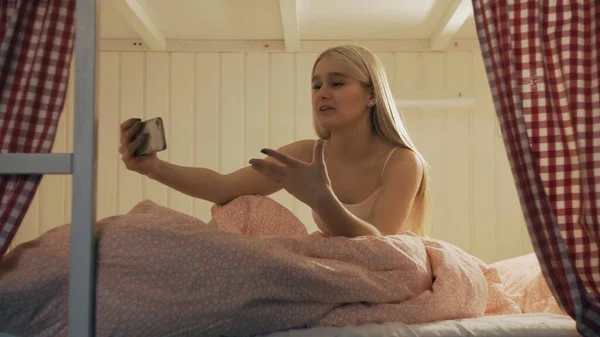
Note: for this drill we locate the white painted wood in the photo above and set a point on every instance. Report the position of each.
(437, 102)
(508, 212)
(289, 22)
(156, 104)
(256, 85)
(433, 143)
(228, 104)
(458, 138)
(135, 15)
(131, 105)
(330, 19)
(389, 64)
(67, 115)
(406, 72)
(304, 128)
(181, 122)
(232, 124)
(277, 46)
(207, 116)
(282, 109)
(36, 163)
(483, 168)
(454, 18)
(109, 162)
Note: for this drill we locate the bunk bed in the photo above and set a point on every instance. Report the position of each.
(81, 163)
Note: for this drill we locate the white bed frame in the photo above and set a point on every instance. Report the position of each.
(81, 164)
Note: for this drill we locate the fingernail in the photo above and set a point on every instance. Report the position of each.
(263, 151)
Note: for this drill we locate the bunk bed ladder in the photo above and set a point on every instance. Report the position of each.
(81, 164)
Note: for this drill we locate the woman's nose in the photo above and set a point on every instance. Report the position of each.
(324, 92)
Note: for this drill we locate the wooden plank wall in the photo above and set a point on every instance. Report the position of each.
(221, 108)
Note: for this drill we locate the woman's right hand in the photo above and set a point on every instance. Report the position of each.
(145, 164)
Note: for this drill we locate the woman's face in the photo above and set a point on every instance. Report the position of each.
(338, 100)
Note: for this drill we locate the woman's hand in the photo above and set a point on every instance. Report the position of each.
(308, 182)
(141, 164)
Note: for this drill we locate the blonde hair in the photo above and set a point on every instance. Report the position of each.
(366, 67)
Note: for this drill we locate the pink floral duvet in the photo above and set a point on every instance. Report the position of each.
(253, 270)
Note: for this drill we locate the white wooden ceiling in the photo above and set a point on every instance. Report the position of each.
(291, 21)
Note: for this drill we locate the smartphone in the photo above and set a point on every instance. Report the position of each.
(155, 137)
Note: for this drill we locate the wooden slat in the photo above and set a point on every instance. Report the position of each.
(508, 214)
(131, 105)
(282, 105)
(156, 104)
(181, 122)
(207, 141)
(434, 147)
(289, 23)
(389, 63)
(109, 158)
(304, 128)
(457, 13)
(458, 166)
(483, 183)
(232, 112)
(256, 87)
(136, 17)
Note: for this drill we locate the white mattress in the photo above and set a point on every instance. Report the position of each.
(524, 325)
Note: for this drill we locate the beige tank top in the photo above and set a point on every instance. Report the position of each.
(363, 208)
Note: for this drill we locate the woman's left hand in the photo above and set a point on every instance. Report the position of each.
(308, 182)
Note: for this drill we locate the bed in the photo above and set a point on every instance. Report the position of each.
(161, 272)
(522, 325)
(81, 164)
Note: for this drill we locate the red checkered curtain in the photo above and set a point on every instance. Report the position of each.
(36, 42)
(542, 61)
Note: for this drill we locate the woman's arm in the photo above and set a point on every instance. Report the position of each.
(220, 188)
(400, 183)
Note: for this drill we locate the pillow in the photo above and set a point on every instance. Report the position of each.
(525, 283)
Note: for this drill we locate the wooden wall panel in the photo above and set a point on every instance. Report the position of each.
(220, 109)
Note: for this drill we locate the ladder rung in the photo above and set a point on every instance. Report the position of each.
(36, 163)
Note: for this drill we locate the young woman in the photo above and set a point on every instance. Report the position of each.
(363, 176)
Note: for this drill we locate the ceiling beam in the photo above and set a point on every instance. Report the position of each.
(458, 12)
(289, 21)
(136, 17)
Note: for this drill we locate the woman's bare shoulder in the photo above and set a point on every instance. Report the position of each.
(403, 161)
(300, 149)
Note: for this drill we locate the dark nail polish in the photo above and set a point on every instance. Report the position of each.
(264, 151)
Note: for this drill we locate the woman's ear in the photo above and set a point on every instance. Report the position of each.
(371, 94)
(371, 100)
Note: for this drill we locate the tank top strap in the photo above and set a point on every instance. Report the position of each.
(388, 159)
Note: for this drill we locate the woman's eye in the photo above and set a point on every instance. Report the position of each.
(337, 84)
(316, 87)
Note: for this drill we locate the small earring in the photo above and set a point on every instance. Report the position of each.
(371, 103)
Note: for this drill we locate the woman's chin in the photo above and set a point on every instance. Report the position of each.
(327, 120)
